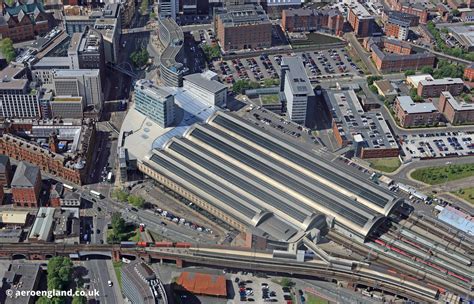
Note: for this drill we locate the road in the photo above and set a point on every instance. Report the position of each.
(99, 274)
(364, 56)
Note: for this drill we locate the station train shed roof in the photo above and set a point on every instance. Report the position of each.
(267, 183)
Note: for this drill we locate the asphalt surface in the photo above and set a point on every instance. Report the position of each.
(364, 56)
(99, 275)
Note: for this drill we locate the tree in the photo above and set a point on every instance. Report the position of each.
(371, 79)
(120, 195)
(153, 15)
(427, 70)
(140, 58)
(409, 72)
(211, 52)
(118, 224)
(286, 282)
(7, 49)
(455, 12)
(79, 300)
(59, 273)
(240, 86)
(136, 201)
(144, 7)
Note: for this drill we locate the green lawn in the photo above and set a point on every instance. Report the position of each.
(312, 299)
(134, 236)
(314, 39)
(388, 164)
(442, 174)
(156, 237)
(118, 273)
(467, 194)
(269, 99)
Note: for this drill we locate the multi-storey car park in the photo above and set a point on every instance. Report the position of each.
(251, 179)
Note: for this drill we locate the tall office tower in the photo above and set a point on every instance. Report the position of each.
(154, 102)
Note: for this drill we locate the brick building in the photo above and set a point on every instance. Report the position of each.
(360, 19)
(5, 171)
(243, 27)
(26, 185)
(456, 112)
(469, 72)
(308, 19)
(396, 15)
(391, 55)
(410, 8)
(23, 20)
(71, 164)
(433, 87)
(415, 114)
(398, 27)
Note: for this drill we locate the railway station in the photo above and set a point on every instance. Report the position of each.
(255, 181)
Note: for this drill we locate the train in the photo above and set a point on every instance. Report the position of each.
(423, 261)
(155, 244)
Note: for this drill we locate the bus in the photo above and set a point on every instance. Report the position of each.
(96, 194)
(110, 176)
(69, 187)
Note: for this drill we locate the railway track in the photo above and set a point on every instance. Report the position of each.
(421, 275)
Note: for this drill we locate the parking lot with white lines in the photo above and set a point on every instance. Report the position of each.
(442, 144)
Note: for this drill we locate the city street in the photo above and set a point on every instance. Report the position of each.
(99, 273)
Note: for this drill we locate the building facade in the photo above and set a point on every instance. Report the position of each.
(23, 20)
(155, 102)
(411, 114)
(469, 72)
(5, 171)
(297, 89)
(211, 91)
(308, 19)
(26, 185)
(360, 19)
(456, 112)
(434, 87)
(243, 27)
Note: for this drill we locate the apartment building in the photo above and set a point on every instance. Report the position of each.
(360, 19)
(243, 27)
(456, 112)
(433, 87)
(309, 19)
(415, 114)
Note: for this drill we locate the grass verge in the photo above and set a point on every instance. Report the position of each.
(442, 174)
(388, 164)
(312, 299)
(118, 273)
(467, 194)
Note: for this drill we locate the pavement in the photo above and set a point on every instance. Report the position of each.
(364, 56)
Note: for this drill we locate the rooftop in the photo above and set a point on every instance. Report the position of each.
(203, 283)
(385, 86)
(458, 105)
(76, 73)
(297, 76)
(203, 82)
(13, 217)
(175, 37)
(457, 219)
(442, 81)
(360, 10)
(464, 34)
(415, 79)
(52, 63)
(241, 15)
(411, 107)
(25, 176)
(21, 277)
(150, 89)
(239, 169)
(43, 225)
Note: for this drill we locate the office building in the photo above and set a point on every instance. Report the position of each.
(5, 171)
(110, 30)
(243, 27)
(43, 70)
(350, 129)
(23, 20)
(456, 112)
(168, 8)
(26, 185)
(360, 19)
(84, 83)
(18, 99)
(309, 19)
(433, 87)
(21, 278)
(415, 114)
(210, 91)
(390, 55)
(297, 89)
(79, 23)
(172, 59)
(67, 107)
(86, 50)
(154, 102)
(66, 225)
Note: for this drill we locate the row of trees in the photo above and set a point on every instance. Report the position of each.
(443, 47)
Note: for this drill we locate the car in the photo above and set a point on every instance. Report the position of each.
(300, 292)
(97, 231)
(237, 280)
(109, 282)
(249, 282)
